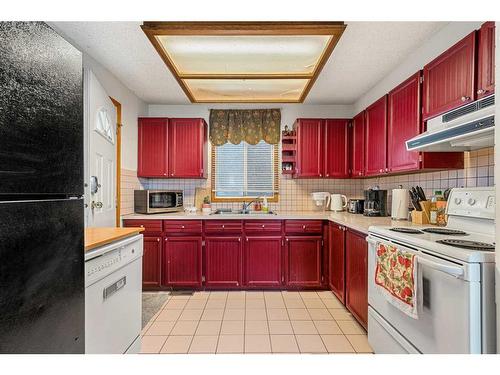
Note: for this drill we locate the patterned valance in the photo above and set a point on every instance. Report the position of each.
(249, 125)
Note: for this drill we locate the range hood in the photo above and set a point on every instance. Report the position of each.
(466, 128)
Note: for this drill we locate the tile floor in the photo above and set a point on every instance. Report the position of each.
(254, 322)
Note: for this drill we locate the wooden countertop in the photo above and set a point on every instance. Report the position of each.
(95, 237)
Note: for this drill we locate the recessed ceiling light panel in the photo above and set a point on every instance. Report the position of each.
(245, 61)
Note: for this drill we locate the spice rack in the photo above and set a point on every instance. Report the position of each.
(288, 152)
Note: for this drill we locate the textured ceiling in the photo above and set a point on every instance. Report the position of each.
(366, 53)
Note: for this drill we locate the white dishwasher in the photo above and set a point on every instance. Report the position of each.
(113, 297)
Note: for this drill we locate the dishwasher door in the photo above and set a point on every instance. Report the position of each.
(449, 306)
(113, 310)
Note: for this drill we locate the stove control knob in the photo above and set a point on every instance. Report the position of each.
(471, 201)
(458, 201)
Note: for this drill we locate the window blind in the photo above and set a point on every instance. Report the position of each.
(245, 171)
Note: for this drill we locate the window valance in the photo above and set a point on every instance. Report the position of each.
(249, 125)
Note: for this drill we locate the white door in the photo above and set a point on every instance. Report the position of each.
(100, 168)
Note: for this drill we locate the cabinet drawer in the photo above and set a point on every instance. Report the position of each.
(263, 226)
(223, 226)
(303, 226)
(182, 226)
(150, 226)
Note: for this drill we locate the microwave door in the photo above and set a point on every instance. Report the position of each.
(162, 200)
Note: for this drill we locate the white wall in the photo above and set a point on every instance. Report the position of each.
(289, 112)
(497, 199)
(433, 47)
(132, 106)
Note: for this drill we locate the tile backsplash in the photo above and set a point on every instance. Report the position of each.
(295, 193)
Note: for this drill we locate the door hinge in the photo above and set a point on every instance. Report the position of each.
(421, 79)
(322, 243)
(282, 279)
(202, 279)
(202, 243)
(420, 158)
(282, 243)
(322, 278)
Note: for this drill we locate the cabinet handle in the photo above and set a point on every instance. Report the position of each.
(165, 238)
(381, 170)
(157, 240)
(327, 175)
(164, 174)
(222, 226)
(481, 91)
(359, 173)
(320, 175)
(182, 226)
(171, 174)
(247, 239)
(142, 226)
(239, 239)
(465, 98)
(303, 227)
(263, 226)
(387, 169)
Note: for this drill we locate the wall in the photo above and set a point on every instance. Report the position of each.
(497, 198)
(438, 43)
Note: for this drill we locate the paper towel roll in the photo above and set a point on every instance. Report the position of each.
(399, 209)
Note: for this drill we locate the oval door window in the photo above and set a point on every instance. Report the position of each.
(104, 126)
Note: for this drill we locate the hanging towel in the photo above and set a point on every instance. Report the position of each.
(396, 278)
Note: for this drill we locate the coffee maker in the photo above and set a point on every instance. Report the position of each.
(375, 202)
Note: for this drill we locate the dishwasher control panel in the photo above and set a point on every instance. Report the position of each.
(104, 261)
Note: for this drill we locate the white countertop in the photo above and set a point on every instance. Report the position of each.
(354, 221)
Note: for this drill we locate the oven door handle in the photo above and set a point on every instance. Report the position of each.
(451, 270)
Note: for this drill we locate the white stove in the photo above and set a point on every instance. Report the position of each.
(457, 310)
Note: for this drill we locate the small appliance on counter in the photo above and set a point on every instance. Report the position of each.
(336, 202)
(158, 201)
(399, 207)
(355, 206)
(375, 202)
(320, 199)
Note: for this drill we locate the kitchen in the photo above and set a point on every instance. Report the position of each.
(238, 212)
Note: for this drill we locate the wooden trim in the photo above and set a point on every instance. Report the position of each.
(154, 29)
(274, 198)
(119, 125)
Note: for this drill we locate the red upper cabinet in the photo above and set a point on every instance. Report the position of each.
(187, 148)
(403, 123)
(172, 148)
(449, 79)
(152, 147)
(356, 253)
(486, 60)
(336, 149)
(309, 148)
(358, 145)
(376, 137)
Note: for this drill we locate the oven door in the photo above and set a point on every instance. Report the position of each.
(159, 201)
(449, 305)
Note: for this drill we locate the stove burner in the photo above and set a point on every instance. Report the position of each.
(451, 232)
(471, 245)
(406, 230)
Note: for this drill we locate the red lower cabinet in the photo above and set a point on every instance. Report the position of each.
(356, 269)
(223, 261)
(336, 261)
(303, 261)
(151, 262)
(263, 261)
(182, 261)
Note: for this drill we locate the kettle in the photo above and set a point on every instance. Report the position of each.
(336, 202)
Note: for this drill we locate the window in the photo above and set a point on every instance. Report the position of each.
(103, 125)
(244, 172)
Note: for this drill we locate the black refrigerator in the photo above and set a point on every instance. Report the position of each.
(41, 191)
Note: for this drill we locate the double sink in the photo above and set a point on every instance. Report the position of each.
(242, 212)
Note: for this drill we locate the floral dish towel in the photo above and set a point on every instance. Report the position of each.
(396, 278)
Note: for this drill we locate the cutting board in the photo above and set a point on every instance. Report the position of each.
(199, 194)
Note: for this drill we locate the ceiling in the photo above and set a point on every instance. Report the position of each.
(366, 52)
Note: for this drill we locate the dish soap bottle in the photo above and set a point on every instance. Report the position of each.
(265, 207)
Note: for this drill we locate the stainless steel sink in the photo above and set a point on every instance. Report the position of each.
(241, 212)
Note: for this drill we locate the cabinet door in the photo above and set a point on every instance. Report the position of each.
(152, 147)
(356, 250)
(403, 124)
(303, 260)
(186, 148)
(358, 145)
(486, 60)
(263, 262)
(449, 79)
(336, 264)
(182, 261)
(376, 137)
(223, 261)
(151, 262)
(336, 157)
(309, 148)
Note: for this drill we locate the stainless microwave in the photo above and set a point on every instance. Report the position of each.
(157, 201)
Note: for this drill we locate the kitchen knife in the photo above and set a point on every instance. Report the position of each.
(414, 199)
(421, 193)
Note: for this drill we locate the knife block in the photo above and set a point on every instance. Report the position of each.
(422, 217)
